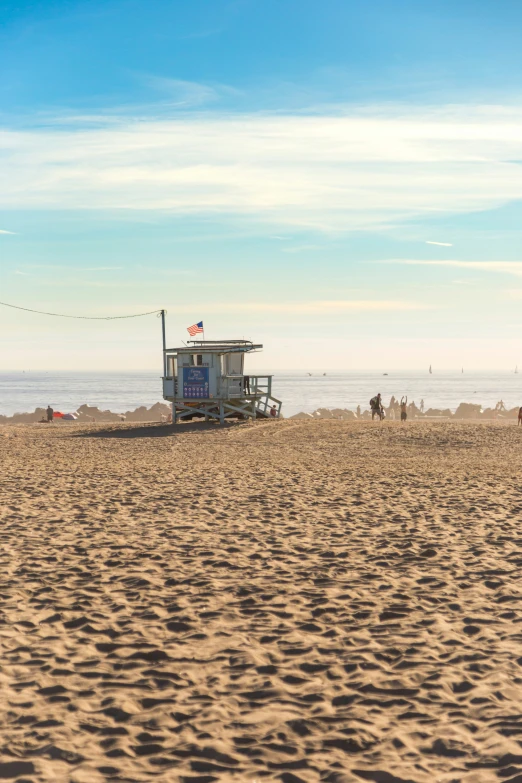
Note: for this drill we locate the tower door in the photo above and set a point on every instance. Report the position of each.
(234, 363)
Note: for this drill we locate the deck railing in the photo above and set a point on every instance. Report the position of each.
(249, 386)
(252, 387)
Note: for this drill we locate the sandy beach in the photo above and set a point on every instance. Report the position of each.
(295, 601)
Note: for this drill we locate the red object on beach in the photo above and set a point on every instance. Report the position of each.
(57, 415)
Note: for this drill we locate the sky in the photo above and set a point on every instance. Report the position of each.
(341, 181)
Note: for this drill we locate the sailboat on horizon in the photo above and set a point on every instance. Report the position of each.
(430, 370)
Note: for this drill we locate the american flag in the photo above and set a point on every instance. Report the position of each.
(196, 329)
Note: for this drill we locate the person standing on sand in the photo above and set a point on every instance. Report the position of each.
(376, 406)
(519, 416)
(404, 408)
(358, 411)
(50, 414)
(422, 406)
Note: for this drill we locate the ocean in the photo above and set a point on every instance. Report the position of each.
(121, 391)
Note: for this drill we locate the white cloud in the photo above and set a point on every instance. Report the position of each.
(341, 171)
(440, 244)
(504, 267)
(6, 232)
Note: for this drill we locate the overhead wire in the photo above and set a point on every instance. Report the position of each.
(81, 317)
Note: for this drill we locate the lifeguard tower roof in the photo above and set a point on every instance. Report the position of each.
(217, 346)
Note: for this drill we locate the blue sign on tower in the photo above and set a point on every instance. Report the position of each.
(195, 383)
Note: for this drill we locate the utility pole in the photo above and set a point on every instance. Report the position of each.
(164, 343)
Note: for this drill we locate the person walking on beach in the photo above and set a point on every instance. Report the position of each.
(519, 416)
(404, 408)
(376, 406)
(422, 406)
(50, 413)
(358, 411)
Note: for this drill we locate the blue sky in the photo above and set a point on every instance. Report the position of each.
(277, 168)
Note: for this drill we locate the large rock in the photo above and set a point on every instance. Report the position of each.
(154, 413)
(343, 413)
(92, 413)
(335, 413)
(301, 415)
(468, 410)
(28, 418)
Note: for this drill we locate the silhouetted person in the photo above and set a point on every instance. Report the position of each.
(519, 416)
(404, 408)
(358, 411)
(422, 406)
(50, 413)
(376, 406)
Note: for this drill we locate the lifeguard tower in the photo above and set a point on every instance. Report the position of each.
(207, 378)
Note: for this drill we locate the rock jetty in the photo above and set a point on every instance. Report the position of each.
(88, 414)
(466, 410)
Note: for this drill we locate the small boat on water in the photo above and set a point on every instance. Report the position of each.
(430, 370)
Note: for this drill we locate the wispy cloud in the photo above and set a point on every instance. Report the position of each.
(503, 267)
(440, 244)
(181, 92)
(71, 268)
(19, 272)
(467, 281)
(311, 307)
(341, 170)
(6, 232)
(302, 248)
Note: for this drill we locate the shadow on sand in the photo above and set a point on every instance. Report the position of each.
(154, 430)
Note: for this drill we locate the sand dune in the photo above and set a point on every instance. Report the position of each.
(282, 601)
